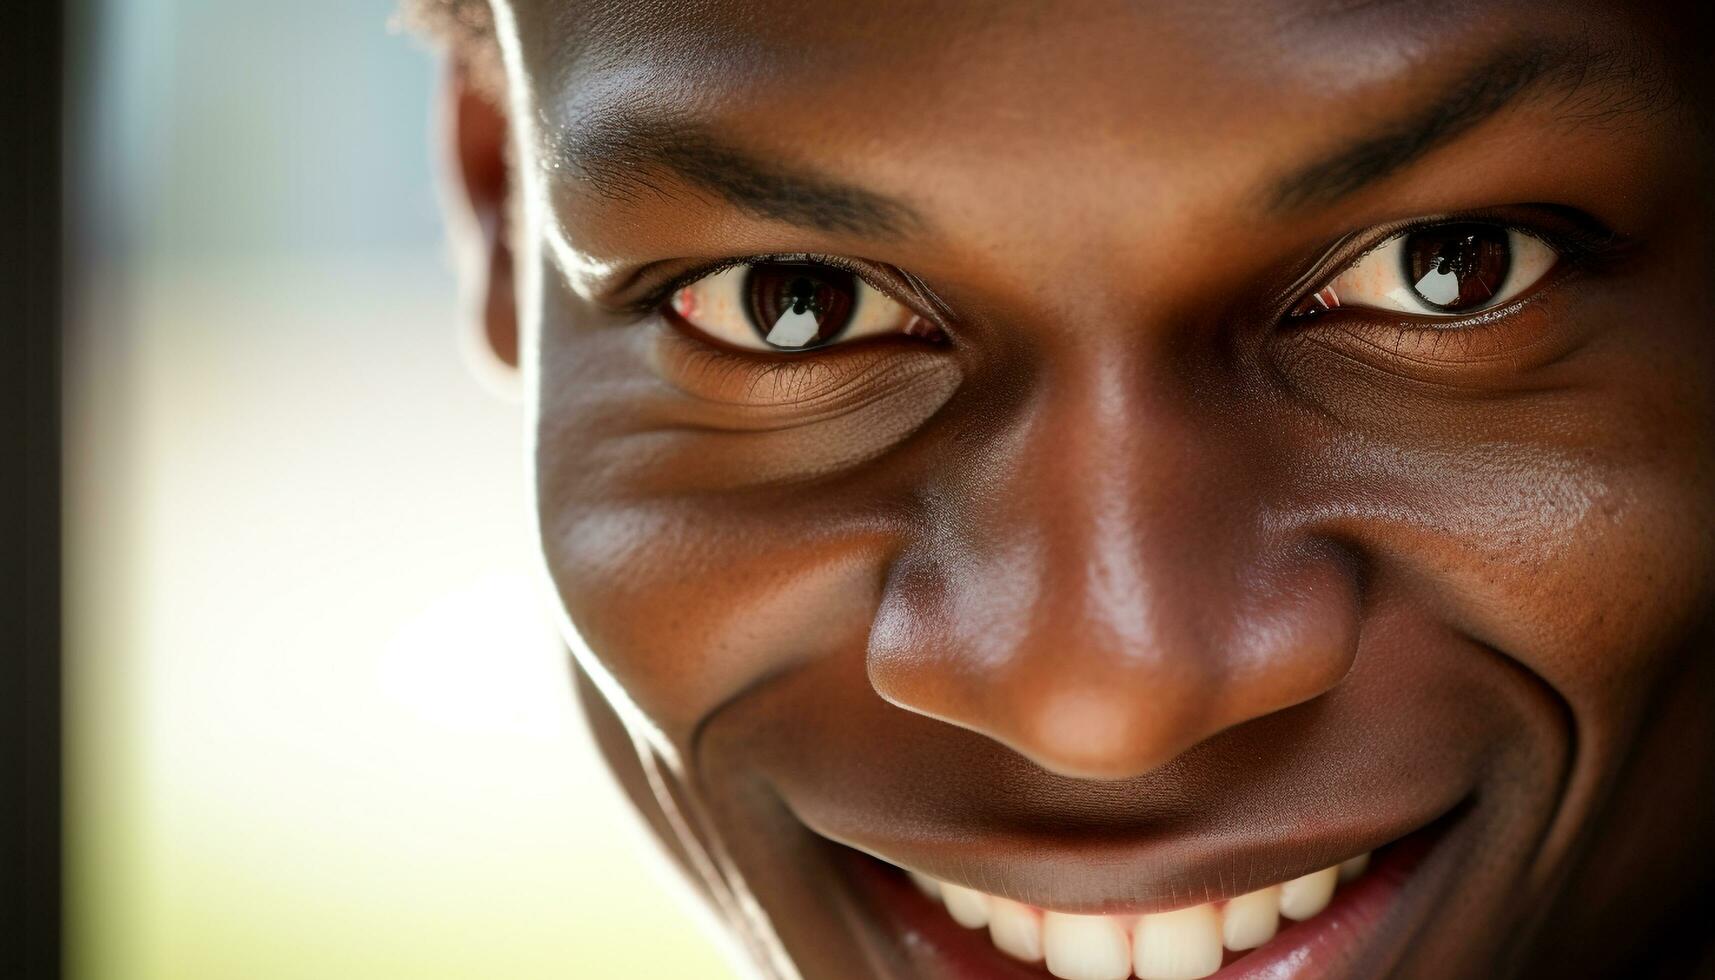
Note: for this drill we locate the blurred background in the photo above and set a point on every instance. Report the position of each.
(319, 724)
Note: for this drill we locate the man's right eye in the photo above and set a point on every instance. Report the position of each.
(774, 305)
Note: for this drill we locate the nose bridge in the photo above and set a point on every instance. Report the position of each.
(1097, 480)
(1105, 601)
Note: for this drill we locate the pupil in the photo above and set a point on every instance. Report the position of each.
(799, 305)
(1457, 267)
(803, 293)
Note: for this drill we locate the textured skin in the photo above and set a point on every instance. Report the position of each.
(1129, 596)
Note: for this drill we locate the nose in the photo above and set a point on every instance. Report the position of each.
(1100, 586)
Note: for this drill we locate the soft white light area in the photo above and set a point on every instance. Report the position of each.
(323, 727)
(318, 724)
(429, 667)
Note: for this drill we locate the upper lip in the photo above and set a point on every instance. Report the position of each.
(1130, 876)
(1175, 855)
(1254, 805)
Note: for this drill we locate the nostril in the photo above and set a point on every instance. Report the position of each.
(1048, 675)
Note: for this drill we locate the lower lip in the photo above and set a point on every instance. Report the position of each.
(939, 947)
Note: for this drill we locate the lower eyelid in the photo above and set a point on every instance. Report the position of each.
(805, 385)
(1476, 352)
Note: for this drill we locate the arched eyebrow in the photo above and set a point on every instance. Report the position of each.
(625, 152)
(1616, 79)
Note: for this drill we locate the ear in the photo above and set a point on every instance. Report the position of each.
(478, 201)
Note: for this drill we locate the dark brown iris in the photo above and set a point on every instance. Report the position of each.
(1457, 267)
(796, 305)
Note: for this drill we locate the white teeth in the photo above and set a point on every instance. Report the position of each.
(1303, 897)
(927, 885)
(1184, 944)
(968, 908)
(1353, 867)
(1085, 947)
(1250, 920)
(1181, 944)
(1015, 930)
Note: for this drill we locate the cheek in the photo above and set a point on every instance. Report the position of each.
(707, 530)
(685, 609)
(1586, 572)
(1554, 501)
(1561, 524)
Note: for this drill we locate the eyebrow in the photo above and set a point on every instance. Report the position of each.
(1494, 84)
(623, 153)
(626, 152)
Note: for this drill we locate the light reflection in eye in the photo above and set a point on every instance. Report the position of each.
(792, 306)
(1445, 271)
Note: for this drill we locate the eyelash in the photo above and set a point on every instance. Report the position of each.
(657, 296)
(1579, 242)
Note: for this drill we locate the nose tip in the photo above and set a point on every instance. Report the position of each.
(1080, 699)
(1093, 733)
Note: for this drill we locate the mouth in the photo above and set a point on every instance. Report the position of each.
(1305, 926)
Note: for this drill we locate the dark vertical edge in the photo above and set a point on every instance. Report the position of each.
(31, 87)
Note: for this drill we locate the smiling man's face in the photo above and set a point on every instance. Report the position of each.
(1112, 460)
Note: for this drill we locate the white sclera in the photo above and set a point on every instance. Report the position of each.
(1377, 280)
(716, 305)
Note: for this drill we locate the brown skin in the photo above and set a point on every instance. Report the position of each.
(1131, 585)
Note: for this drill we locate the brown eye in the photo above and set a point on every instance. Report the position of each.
(1455, 268)
(1439, 272)
(794, 306)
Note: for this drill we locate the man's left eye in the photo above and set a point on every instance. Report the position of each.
(1440, 271)
(791, 306)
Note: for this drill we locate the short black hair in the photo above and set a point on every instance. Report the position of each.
(464, 29)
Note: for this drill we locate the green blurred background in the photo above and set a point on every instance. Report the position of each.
(319, 723)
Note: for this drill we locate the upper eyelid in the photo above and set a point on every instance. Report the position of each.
(1581, 235)
(1567, 246)
(655, 296)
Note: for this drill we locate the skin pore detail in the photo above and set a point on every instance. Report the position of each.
(984, 555)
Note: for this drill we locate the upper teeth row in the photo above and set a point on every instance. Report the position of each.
(1183, 944)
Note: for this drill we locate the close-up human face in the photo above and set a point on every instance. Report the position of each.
(1146, 489)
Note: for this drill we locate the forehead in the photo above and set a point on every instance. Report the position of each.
(1119, 119)
(1001, 80)
(1088, 59)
